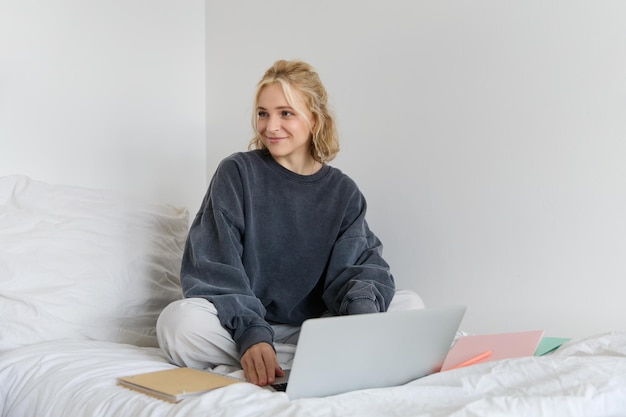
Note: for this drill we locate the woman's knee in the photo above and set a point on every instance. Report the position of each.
(190, 334)
(406, 300)
(182, 318)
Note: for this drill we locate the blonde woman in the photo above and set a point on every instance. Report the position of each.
(280, 237)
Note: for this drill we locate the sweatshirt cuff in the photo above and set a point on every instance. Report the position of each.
(253, 335)
(362, 306)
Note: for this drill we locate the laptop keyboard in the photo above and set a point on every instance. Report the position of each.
(281, 382)
(280, 387)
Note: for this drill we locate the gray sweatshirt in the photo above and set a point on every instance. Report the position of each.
(271, 246)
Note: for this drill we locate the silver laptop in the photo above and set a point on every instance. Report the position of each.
(346, 353)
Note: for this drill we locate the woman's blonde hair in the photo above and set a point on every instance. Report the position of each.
(299, 79)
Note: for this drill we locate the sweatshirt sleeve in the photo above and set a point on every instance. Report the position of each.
(358, 280)
(212, 267)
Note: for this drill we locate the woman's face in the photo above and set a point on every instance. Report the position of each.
(284, 132)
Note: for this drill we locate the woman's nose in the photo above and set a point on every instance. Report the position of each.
(273, 124)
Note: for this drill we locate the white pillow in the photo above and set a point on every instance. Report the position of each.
(84, 263)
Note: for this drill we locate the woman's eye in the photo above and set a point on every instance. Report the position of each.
(262, 114)
(286, 113)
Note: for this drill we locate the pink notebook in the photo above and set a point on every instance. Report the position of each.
(492, 347)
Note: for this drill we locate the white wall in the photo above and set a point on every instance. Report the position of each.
(105, 94)
(488, 136)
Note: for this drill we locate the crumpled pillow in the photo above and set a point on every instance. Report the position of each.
(78, 263)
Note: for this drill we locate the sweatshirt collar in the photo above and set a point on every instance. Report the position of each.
(281, 170)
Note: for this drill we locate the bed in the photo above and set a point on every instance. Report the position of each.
(84, 274)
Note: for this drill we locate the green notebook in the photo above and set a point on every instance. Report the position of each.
(549, 345)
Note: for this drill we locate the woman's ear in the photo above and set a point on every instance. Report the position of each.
(314, 124)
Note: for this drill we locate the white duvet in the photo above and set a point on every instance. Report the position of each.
(75, 378)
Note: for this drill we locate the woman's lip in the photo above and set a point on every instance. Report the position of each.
(275, 139)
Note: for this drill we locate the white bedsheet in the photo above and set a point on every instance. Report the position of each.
(78, 378)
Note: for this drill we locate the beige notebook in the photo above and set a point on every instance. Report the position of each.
(175, 384)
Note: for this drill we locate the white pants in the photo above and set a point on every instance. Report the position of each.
(190, 333)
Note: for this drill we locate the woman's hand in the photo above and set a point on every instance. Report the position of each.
(260, 364)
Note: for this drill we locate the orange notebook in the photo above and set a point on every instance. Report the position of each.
(175, 384)
(469, 350)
